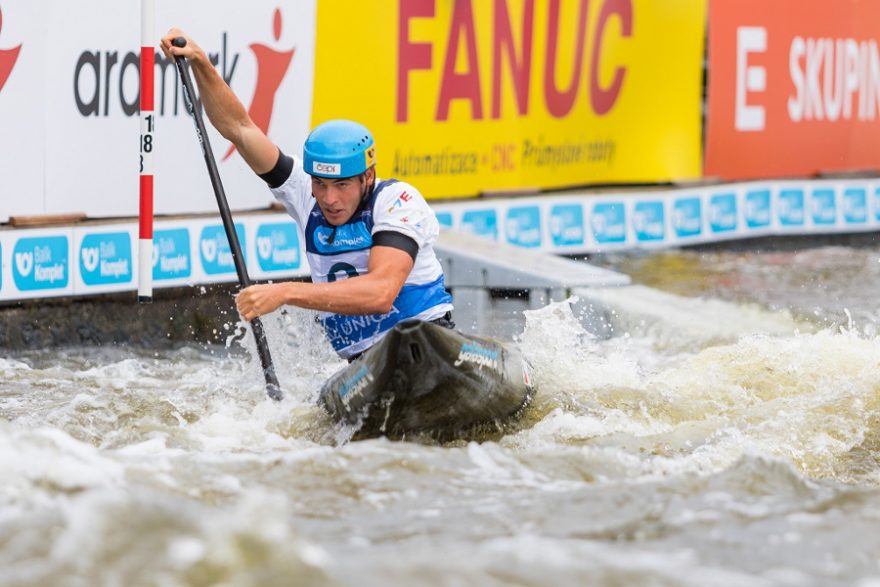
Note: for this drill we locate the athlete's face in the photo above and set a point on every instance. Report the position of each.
(339, 198)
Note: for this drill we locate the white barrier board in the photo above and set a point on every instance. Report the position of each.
(69, 105)
(98, 258)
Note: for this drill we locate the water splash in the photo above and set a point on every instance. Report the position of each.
(810, 399)
(661, 455)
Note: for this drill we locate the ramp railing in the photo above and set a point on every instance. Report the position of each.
(492, 282)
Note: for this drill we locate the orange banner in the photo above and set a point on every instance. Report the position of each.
(794, 88)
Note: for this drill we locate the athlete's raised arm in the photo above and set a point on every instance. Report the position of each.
(224, 109)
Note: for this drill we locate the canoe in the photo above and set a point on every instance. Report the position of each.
(424, 378)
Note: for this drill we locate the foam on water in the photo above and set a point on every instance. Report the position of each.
(811, 399)
(47, 457)
(88, 540)
(674, 322)
(637, 463)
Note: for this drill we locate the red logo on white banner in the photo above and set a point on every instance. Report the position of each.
(271, 68)
(8, 58)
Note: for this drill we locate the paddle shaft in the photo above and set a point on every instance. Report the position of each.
(272, 387)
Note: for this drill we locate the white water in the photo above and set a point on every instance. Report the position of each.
(739, 448)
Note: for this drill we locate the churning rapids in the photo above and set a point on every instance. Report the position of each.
(726, 434)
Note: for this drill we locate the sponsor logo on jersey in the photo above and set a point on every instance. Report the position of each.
(405, 197)
(348, 237)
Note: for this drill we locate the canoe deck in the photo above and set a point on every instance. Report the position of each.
(424, 378)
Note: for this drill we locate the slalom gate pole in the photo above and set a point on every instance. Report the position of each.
(148, 125)
(272, 387)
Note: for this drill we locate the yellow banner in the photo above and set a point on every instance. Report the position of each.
(467, 96)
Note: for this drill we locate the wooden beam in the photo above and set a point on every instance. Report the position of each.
(46, 219)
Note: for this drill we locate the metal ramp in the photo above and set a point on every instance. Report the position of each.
(492, 282)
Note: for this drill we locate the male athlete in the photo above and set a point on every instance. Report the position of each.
(369, 243)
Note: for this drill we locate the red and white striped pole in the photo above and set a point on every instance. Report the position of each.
(148, 125)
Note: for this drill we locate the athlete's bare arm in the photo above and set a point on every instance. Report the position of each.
(224, 109)
(372, 293)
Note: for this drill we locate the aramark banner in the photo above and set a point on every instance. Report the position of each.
(69, 94)
(466, 96)
(794, 88)
(23, 103)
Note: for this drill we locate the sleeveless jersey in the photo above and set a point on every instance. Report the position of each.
(340, 252)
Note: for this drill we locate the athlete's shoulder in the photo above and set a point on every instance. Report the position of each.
(295, 192)
(393, 190)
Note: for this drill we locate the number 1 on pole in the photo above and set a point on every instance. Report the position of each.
(148, 125)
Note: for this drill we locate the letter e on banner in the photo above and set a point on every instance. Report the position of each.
(749, 78)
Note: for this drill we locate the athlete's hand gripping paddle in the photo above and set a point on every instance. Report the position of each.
(272, 387)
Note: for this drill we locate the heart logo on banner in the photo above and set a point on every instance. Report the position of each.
(24, 262)
(264, 247)
(209, 250)
(90, 257)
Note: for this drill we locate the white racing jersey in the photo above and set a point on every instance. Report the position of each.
(343, 251)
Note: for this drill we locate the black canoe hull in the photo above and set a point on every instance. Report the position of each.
(422, 377)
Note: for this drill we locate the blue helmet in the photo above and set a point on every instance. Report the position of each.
(339, 148)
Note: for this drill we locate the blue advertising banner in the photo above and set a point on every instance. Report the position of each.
(608, 221)
(41, 263)
(524, 226)
(649, 221)
(105, 258)
(214, 251)
(172, 254)
(687, 217)
(278, 247)
(37, 263)
(567, 225)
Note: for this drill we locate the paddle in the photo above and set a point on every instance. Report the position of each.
(272, 387)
